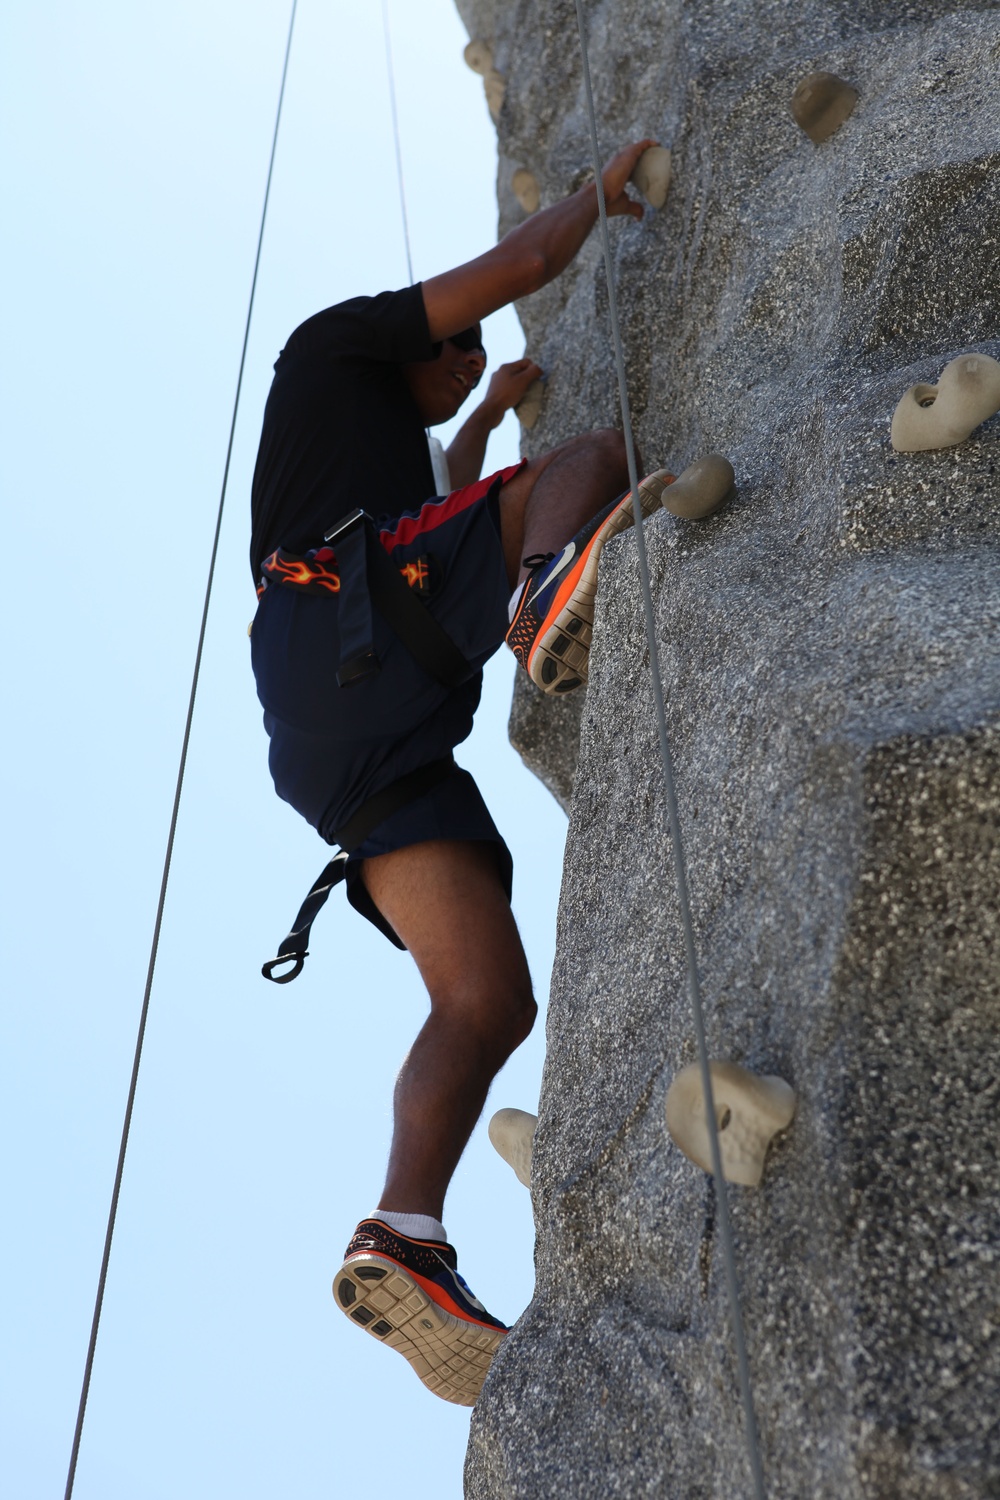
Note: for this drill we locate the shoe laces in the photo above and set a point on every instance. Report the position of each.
(536, 560)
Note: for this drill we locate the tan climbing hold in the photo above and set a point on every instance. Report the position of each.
(821, 103)
(495, 86)
(749, 1113)
(701, 488)
(479, 56)
(939, 416)
(512, 1132)
(526, 190)
(529, 407)
(652, 175)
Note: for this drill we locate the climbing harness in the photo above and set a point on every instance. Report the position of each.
(360, 574)
(670, 795)
(116, 1190)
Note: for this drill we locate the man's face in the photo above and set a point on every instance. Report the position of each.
(439, 386)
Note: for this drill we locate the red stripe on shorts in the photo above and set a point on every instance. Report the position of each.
(436, 512)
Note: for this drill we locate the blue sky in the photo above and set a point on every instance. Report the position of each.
(136, 143)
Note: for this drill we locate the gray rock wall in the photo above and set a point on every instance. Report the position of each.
(829, 653)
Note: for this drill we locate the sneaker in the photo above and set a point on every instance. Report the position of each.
(408, 1294)
(553, 622)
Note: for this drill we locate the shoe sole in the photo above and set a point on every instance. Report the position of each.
(559, 657)
(450, 1355)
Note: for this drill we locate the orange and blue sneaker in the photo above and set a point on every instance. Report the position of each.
(408, 1294)
(553, 621)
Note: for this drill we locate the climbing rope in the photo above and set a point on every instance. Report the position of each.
(435, 448)
(395, 135)
(670, 794)
(116, 1191)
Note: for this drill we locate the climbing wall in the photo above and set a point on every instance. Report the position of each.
(829, 653)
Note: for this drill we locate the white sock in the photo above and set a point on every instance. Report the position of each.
(515, 600)
(417, 1226)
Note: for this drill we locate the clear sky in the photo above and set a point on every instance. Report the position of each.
(136, 140)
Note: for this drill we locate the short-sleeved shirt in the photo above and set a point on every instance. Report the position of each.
(339, 420)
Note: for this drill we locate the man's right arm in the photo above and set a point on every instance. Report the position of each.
(531, 255)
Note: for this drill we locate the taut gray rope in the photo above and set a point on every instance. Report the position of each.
(725, 1226)
(116, 1191)
(395, 135)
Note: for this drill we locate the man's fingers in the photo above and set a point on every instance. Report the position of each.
(623, 204)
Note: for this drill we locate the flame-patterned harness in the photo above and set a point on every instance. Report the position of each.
(316, 572)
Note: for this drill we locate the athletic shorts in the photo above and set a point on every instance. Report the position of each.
(332, 748)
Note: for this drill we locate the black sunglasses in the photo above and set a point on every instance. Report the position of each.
(469, 339)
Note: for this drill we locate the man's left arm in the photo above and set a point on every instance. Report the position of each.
(468, 448)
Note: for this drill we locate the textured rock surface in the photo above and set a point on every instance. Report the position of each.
(829, 658)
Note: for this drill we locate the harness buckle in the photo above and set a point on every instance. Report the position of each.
(345, 524)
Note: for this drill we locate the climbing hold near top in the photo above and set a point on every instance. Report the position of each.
(939, 416)
(530, 405)
(701, 488)
(652, 175)
(821, 103)
(495, 86)
(749, 1112)
(526, 191)
(512, 1132)
(479, 56)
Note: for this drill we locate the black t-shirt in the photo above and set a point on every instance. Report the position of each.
(340, 426)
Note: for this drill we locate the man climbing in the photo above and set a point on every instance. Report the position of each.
(364, 700)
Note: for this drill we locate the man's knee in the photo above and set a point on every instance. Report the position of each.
(523, 1018)
(608, 446)
(607, 440)
(514, 1019)
(498, 1008)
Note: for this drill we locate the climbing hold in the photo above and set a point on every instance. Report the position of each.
(701, 488)
(512, 1132)
(525, 186)
(652, 175)
(495, 86)
(749, 1112)
(939, 416)
(479, 56)
(530, 404)
(821, 103)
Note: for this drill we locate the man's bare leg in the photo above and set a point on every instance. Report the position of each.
(446, 902)
(545, 505)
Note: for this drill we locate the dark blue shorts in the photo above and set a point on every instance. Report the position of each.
(332, 748)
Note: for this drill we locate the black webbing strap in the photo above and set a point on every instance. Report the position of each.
(354, 617)
(368, 576)
(295, 948)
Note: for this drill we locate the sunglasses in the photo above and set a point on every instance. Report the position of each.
(469, 339)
